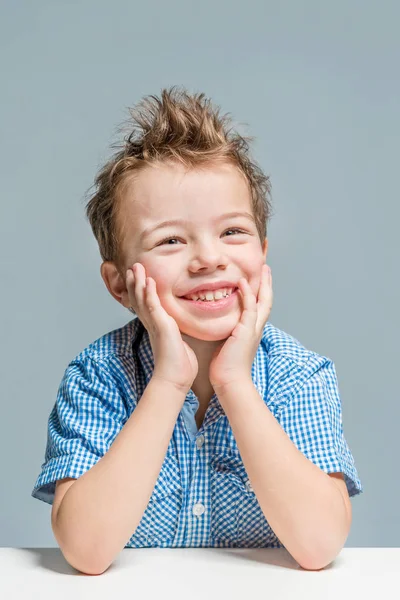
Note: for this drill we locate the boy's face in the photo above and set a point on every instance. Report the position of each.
(202, 250)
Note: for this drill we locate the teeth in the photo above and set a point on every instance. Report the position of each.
(212, 295)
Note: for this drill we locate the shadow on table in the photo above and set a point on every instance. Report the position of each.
(52, 559)
(277, 557)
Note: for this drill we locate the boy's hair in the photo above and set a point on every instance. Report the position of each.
(178, 127)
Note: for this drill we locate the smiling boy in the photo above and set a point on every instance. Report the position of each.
(213, 242)
(199, 423)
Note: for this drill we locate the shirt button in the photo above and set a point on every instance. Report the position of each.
(248, 486)
(198, 509)
(200, 441)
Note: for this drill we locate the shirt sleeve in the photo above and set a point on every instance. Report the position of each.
(88, 414)
(312, 418)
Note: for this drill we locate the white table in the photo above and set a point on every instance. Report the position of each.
(201, 573)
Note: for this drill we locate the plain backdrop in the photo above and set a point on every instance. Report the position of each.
(317, 83)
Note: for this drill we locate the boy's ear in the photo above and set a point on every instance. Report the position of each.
(115, 283)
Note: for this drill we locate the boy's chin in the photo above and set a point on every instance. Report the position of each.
(209, 333)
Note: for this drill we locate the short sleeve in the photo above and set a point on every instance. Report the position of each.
(312, 418)
(88, 414)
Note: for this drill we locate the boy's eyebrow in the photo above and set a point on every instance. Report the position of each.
(230, 215)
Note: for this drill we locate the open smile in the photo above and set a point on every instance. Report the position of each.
(213, 305)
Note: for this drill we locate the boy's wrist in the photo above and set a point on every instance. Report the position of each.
(167, 385)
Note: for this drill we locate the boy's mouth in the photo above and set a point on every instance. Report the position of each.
(210, 295)
(214, 302)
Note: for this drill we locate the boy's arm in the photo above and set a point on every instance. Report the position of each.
(306, 508)
(101, 510)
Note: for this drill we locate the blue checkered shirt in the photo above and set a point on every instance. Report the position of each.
(203, 496)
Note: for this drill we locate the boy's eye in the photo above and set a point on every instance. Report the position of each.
(175, 237)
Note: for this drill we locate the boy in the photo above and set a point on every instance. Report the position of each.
(198, 423)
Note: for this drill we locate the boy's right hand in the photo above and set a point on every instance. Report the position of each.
(174, 360)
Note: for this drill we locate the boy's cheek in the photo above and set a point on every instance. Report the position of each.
(161, 279)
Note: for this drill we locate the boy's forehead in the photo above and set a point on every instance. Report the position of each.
(171, 192)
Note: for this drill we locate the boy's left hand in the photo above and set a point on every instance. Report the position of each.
(233, 360)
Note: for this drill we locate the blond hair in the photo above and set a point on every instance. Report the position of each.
(180, 127)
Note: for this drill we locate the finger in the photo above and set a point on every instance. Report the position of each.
(249, 314)
(265, 297)
(264, 291)
(157, 318)
(139, 285)
(135, 287)
(129, 277)
(151, 297)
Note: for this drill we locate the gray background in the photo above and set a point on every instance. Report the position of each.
(317, 83)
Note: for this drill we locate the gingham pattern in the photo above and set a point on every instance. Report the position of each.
(203, 497)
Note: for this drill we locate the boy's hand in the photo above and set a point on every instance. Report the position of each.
(232, 361)
(174, 360)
